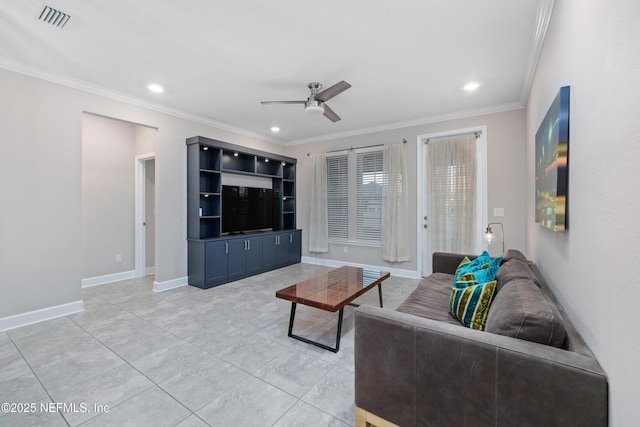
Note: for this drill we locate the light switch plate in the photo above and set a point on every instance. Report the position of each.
(498, 211)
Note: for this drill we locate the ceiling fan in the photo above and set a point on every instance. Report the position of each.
(316, 101)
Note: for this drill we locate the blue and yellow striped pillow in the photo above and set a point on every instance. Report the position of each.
(470, 302)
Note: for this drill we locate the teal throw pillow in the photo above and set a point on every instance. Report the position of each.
(482, 262)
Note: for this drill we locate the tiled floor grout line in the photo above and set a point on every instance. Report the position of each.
(249, 374)
(36, 376)
(260, 330)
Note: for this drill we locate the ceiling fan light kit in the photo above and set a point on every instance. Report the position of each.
(315, 104)
(314, 108)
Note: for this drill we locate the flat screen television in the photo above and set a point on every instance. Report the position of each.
(552, 165)
(246, 209)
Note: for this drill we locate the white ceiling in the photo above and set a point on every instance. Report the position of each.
(406, 60)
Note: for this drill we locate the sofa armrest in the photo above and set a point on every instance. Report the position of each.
(414, 371)
(447, 262)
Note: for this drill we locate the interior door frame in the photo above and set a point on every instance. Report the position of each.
(140, 213)
(424, 261)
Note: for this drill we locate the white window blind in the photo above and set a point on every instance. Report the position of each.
(338, 196)
(369, 196)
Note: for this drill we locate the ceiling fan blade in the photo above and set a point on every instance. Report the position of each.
(330, 114)
(283, 102)
(332, 91)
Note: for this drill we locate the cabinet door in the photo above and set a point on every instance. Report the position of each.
(282, 249)
(295, 247)
(269, 259)
(254, 255)
(215, 263)
(236, 262)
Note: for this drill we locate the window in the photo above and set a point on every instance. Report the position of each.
(338, 197)
(452, 188)
(369, 197)
(354, 196)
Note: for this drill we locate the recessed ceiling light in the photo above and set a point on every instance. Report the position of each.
(470, 87)
(275, 129)
(155, 88)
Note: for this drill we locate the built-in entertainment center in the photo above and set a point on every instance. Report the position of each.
(241, 212)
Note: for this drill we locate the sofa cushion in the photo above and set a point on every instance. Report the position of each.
(431, 299)
(521, 310)
(514, 254)
(470, 303)
(514, 269)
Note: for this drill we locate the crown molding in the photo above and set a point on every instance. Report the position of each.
(410, 123)
(543, 18)
(19, 67)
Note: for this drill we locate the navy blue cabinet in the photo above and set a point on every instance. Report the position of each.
(244, 258)
(216, 258)
(207, 262)
(217, 261)
(295, 247)
(269, 255)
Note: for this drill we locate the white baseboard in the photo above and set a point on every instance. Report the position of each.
(149, 271)
(170, 284)
(409, 274)
(109, 278)
(30, 317)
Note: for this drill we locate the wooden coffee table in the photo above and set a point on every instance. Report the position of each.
(332, 291)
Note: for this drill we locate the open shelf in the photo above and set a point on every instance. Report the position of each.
(289, 171)
(210, 181)
(235, 161)
(288, 188)
(209, 205)
(209, 227)
(209, 158)
(288, 204)
(266, 166)
(288, 220)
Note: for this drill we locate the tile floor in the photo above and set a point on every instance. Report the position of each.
(186, 357)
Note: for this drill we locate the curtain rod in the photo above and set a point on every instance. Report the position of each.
(477, 135)
(404, 141)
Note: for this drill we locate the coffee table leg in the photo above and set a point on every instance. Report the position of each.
(293, 316)
(380, 293)
(339, 330)
(308, 341)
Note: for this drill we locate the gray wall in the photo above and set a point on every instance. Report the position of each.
(108, 150)
(505, 177)
(40, 185)
(593, 47)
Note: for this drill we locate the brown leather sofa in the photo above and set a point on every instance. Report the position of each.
(418, 366)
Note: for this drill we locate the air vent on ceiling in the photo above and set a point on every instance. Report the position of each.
(54, 17)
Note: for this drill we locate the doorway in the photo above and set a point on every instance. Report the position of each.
(118, 166)
(425, 227)
(145, 215)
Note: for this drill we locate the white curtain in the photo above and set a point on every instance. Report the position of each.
(318, 217)
(395, 204)
(452, 172)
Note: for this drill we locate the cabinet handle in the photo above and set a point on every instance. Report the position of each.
(277, 240)
(290, 238)
(248, 245)
(245, 245)
(226, 247)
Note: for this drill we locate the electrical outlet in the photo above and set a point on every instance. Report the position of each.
(498, 211)
(346, 249)
(118, 257)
